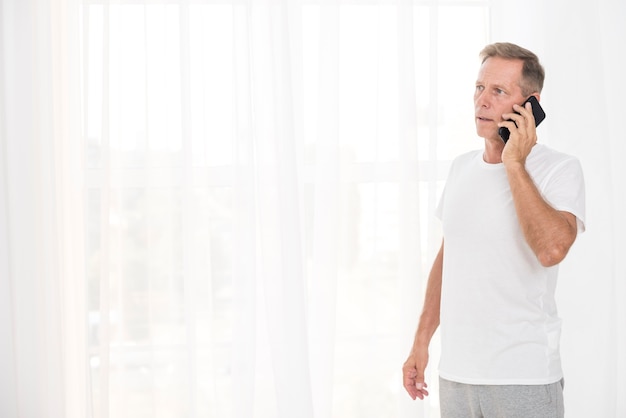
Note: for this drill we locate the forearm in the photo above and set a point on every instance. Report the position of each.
(429, 319)
(548, 232)
(428, 324)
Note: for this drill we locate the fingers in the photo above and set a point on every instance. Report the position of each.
(521, 121)
(519, 117)
(416, 390)
(414, 382)
(421, 389)
(526, 113)
(410, 386)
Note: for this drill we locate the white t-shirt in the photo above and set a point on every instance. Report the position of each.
(499, 322)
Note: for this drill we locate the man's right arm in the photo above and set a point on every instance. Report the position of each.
(414, 366)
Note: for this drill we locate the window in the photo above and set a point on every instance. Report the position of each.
(168, 92)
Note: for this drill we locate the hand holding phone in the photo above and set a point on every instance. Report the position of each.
(538, 114)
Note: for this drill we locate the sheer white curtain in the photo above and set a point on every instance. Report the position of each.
(224, 209)
(260, 178)
(42, 348)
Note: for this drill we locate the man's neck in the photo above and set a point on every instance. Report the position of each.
(493, 151)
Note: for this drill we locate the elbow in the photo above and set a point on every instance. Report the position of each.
(553, 244)
(553, 255)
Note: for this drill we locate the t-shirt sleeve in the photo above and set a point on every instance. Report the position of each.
(565, 190)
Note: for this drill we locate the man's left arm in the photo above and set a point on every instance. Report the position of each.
(550, 233)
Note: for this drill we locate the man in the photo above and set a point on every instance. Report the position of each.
(510, 212)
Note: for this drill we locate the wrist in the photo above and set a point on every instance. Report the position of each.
(421, 343)
(513, 166)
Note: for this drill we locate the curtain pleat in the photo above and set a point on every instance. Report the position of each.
(42, 270)
(278, 206)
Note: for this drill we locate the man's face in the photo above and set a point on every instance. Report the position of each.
(497, 90)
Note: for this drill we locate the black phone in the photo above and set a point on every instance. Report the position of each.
(538, 113)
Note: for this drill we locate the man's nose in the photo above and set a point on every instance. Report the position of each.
(481, 100)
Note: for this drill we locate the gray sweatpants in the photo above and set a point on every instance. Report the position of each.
(459, 400)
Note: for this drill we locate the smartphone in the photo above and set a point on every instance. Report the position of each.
(538, 113)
